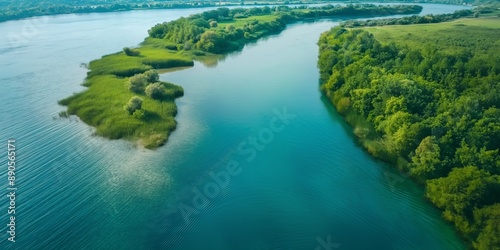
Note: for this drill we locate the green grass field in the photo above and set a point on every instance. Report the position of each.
(240, 22)
(450, 37)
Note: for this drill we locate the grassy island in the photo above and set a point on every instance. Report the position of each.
(124, 98)
(426, 97)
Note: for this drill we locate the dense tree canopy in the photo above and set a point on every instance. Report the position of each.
(427, 98)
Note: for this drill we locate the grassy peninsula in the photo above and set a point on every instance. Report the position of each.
(426, 97)
(124, 98)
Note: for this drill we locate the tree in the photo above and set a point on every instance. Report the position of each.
(200, 22)
(137, 83)
(158, 31)
(134, 103)
(426, 160)
(394, 122)
(230, 28)
(152, 76)
(213, 24)
(209, 41)
(156, 91)
(395, 104)
(223, 12)
(461, 191)
(266, 10)
(489, 218)
(210, 14)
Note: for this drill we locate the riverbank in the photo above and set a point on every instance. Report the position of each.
(177, 44)
(423, 97)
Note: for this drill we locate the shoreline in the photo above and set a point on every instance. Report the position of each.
(77, 9)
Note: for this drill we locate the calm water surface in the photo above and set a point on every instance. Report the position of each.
(308, 185)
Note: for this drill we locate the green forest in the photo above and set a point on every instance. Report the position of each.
(426, 98)
(125, 98)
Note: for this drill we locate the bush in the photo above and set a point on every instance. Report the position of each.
(139, 114)
(230, 28)
(136, 83)
(152, 76)
(188, 45)
(135, 103)
(131, 52)
(155, 91)
(171, 47)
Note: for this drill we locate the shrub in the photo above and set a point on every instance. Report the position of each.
(139, 114)
(152, 76)
(131, 52)
(188, 45)
(136, 83)
(155, 91)
(230, 28)
(135, 103)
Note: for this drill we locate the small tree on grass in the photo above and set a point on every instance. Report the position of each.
(155, 91)
(137, 83)
(230, 28)
(152, 76)
(135, 103)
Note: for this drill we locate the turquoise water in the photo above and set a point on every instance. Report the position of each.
(284, 182)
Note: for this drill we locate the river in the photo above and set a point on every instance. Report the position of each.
(300, 181)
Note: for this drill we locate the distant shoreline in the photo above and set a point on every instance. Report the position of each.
(5, 15)
(88, 9)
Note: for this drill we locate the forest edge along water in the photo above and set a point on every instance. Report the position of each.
(397, 106)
